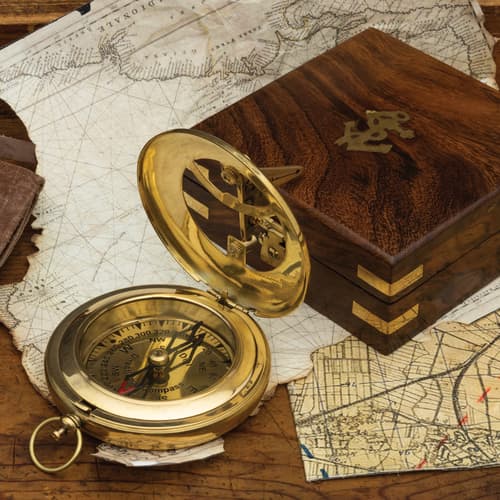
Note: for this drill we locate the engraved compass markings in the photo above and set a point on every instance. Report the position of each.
(159, 363)
(159, 359)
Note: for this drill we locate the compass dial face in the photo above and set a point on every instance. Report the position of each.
(159, 358)
(157, 367)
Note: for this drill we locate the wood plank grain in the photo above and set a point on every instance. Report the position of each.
(23, 12)
(492, 20)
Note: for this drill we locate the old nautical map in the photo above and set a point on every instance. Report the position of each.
(433, 404)
(93, 88)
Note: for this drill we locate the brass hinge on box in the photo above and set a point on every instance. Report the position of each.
(387, 288)
(385, 327)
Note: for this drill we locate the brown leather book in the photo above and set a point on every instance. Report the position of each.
(18, 151)
(19, 188)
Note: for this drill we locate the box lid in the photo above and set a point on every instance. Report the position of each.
(386, 220)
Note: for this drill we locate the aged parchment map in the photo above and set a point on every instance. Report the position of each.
(93, 89)
(433, 404)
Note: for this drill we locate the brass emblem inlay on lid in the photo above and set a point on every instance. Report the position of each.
(379, 124)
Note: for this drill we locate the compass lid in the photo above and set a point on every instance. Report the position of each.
(224, 221)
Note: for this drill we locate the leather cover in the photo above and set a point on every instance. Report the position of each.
(19, 188)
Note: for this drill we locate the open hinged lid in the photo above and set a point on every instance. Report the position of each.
(191, 185)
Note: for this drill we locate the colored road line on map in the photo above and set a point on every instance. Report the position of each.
(307, 451)
(481, 398)
(443, 440)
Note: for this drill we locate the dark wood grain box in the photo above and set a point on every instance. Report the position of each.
(397, 238)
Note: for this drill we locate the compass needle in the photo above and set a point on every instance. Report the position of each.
(163, 357)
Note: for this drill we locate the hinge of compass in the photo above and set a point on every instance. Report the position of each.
(224, 300)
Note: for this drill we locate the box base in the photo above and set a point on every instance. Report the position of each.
(385, 327)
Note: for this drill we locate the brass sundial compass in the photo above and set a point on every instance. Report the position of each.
(162, 367)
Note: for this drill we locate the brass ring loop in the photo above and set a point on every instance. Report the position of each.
(78, 449)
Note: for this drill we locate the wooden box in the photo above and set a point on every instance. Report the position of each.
(400, 236)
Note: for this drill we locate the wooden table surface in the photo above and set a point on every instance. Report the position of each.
(262, 458)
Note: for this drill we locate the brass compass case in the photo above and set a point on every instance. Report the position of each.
(195, 415)
(161, 367)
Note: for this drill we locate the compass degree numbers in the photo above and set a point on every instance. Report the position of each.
(159, 359)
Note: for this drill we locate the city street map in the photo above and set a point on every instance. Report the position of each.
(432, 404)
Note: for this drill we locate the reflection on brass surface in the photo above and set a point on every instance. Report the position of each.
(241, 188)
(390, 289)
(379, 124)
(196, 205)
(385, 327)
(165, 367)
